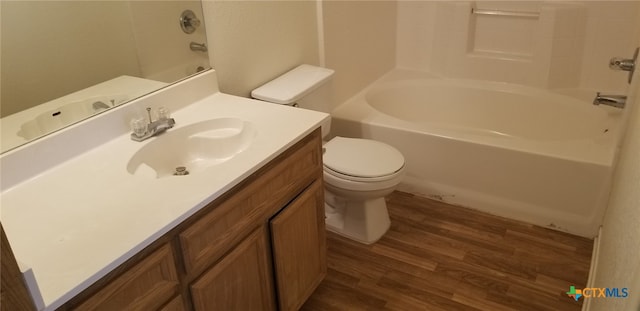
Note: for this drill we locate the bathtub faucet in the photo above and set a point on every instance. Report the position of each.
(617, 101)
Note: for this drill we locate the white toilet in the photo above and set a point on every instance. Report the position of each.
(358, 173)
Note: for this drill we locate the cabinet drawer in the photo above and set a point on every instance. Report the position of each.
(146, 286)
(264, 193)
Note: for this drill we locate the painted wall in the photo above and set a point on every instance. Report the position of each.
(359, 41)
(618, 264)
(252, 42)
(37, 47)
(569, 45)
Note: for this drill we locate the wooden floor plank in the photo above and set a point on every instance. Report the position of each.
(480, 303)
(442, 257)
(407, 257)
(396, 300)
(334, 295)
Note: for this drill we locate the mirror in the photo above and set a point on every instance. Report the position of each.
(64, 61)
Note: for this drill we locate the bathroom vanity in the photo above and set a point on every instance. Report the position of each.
(246, 233)
(221, 257)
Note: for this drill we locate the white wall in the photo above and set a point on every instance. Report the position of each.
(359, 41)
(416, 31)
(619, 260)
(618, 263)
(569, 45)
(252, 42)
(610, 31)
(36, 49)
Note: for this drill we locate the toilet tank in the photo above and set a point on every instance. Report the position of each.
(304, 86)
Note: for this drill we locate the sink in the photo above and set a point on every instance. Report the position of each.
(196, 147)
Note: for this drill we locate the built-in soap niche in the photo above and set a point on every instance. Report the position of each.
(531, 43)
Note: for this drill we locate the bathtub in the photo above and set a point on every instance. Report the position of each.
(510, 150)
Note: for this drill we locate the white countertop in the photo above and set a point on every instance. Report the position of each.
(75, 222)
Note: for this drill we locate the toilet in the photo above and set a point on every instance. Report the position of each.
(358, 173)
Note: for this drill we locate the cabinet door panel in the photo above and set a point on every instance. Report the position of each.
(299, 247)
(146, 286)
(240, 281)
(176, 304)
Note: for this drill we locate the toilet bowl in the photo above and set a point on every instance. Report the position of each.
(358, 173)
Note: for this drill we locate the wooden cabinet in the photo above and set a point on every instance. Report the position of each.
(299, 247)
(240, 281)
(146, 286)
(260, 246)
(15, 295)
(250, 206)
(176, 304)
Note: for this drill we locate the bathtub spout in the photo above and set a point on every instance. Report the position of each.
(617, 101)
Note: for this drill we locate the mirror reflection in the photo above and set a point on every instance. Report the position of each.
(64, 61)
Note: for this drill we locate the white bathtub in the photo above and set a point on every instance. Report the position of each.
(510, 150)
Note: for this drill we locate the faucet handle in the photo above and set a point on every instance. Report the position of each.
(163, 113)
(139, 127)
(625, 64)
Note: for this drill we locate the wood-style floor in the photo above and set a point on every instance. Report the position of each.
(441, 257)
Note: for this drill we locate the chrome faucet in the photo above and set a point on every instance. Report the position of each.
(142, 131)
(617, 101)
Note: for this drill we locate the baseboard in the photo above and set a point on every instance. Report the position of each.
(595, 253)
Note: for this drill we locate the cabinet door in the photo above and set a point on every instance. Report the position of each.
(176, 304)
(146, 286)
(299, 247)
(240, 281)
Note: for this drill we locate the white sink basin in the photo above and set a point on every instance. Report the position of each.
(196, 147)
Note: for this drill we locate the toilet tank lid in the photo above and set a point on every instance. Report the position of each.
(293, 85)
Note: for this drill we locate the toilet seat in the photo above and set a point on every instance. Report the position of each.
(364, 184)
(362, 160)
(333, 173)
